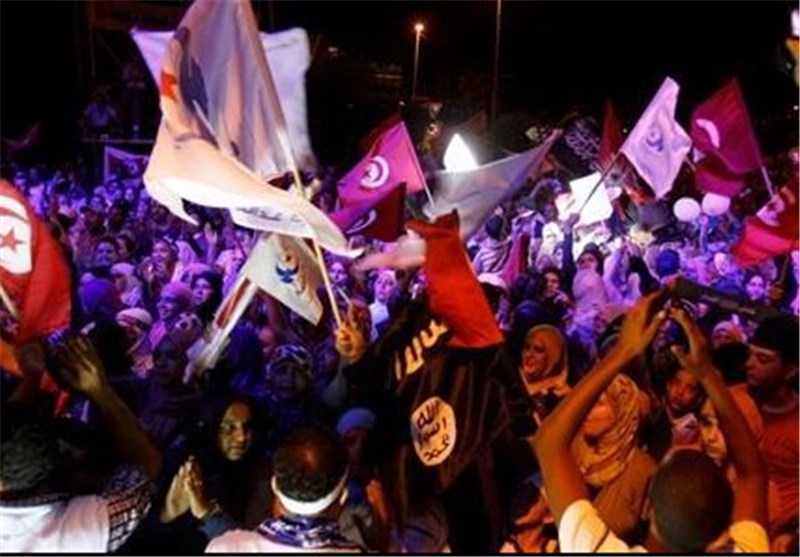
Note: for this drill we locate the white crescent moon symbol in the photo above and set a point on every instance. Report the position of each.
(376, 174)
(711, 129)
(363, 222)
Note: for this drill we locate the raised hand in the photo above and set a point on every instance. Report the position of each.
(350, 341)
(640, 325)
(31, 358)
(80, 366)
(177, 500)
(697, 360)
(199, 503)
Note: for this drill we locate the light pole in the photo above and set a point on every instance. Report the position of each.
(496, 67)
(418, 28)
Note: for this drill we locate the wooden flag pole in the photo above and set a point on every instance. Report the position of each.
(767, 181)
(8, 302)
(286, 147)
(317, 251)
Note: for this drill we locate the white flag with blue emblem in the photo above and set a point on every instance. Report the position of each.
(657, 144)
(286, 269)
(223, 134)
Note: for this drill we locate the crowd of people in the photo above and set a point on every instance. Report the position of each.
(633, 417)
(609, 406)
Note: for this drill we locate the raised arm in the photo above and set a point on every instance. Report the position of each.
(82, 371)
(562, 478)
(750, 496)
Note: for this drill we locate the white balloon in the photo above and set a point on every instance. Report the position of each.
(686, 209)
(715, 205)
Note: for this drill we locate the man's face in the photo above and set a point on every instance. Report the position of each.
(105, 254)
(764, 368)
(683, 394)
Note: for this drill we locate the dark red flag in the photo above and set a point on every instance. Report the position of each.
(722, 133)
(381, 218)
(612, 137)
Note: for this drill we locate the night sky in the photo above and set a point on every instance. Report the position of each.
(554, 55)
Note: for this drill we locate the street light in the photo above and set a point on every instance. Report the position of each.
(496, 67)
(418, 28)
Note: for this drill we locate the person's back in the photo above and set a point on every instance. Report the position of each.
(37, 516)
(310, 470)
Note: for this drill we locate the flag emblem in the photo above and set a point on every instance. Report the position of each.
(711, 129)
(433, 431)
(376, 173)
(363, 222)
(15, 231)
(655, 139)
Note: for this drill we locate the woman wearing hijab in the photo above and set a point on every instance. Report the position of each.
(128, 284)
(136, 323)
(174, 299)
(544, 369)
(611, 462)
(170, 400)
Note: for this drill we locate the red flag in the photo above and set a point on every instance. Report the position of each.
(722, 133)
(517, 262)
(381, 218)
(773, 230)
(32, 268)
(455, 293)
(612, 136)
(390, 160)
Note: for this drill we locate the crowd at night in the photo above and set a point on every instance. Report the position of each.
(284, 277)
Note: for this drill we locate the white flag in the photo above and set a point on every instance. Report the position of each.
(657, 144)
(128, 167)
(596, 208)
(288, 58)
(476, 193)
(285, 268)
(223, 133)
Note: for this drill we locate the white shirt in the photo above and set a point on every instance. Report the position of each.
(581, 530)
(79, 525)
(247, 541)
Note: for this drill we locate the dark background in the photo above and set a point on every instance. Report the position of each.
(555, 56)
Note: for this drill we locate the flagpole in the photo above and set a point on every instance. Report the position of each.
(599, 181)
(317, 251)
(8, 302)
(767, 181)
(286, 147)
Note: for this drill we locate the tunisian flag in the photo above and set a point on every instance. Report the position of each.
(723, 135)
(773, 230)
(390, 160)
(32, 268)
(381, 218)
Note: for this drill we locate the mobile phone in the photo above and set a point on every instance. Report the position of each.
(658, 304)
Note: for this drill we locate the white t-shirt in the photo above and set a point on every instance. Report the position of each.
(247, 541)
(581, 530)
(78, 525)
